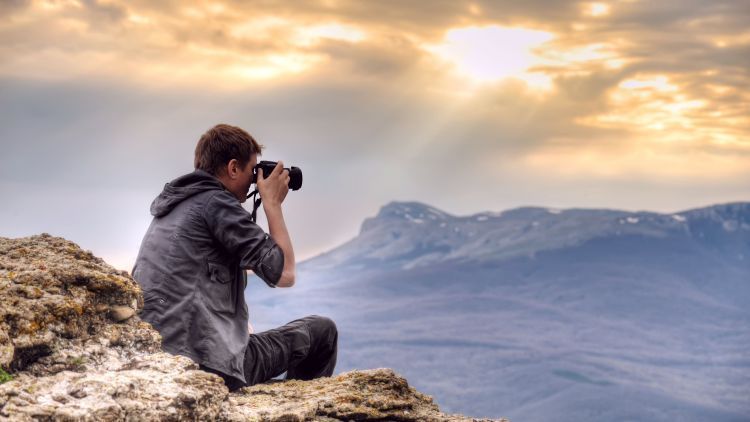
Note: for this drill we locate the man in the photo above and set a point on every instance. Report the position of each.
(192, 269)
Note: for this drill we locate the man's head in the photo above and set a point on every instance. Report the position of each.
(230, 154)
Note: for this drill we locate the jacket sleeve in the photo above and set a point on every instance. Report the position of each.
(231, 226)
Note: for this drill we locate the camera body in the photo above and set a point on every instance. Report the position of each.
(295, 174)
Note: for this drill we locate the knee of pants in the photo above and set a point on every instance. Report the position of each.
(323, 323)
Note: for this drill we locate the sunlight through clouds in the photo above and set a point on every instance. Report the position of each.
(312, 34)
(640, 85)
(661, 111)
(494, 52)
(596, 9)
(635, 158)
(273, 66)
(203, 41)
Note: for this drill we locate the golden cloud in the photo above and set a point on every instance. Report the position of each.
(626, 85)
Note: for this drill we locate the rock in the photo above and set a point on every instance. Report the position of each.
(376, 394)
(121, 313)
(77, 350)
(50, 291)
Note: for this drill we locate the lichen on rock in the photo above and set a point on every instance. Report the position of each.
(72, 347)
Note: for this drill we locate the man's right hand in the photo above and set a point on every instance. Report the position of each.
(273, 189)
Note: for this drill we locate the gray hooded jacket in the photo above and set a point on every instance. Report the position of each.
(191, 268)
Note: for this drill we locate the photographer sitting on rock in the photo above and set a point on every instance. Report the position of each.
(192, 268)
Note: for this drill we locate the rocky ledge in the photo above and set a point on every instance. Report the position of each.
(73, 348)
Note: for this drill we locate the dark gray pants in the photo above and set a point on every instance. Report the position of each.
(305, 348)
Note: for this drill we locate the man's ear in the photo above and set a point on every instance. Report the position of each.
(232, 168)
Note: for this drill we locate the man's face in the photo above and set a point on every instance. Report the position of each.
(246, 178)
(237, 179)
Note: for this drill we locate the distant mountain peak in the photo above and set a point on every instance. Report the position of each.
(411, 210)
(732, 210)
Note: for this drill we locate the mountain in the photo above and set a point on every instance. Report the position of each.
(535, 313)
(410, 234)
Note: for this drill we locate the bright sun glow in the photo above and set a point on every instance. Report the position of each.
(274, 65)
(493, 52)
(312, 34)
(596, 9)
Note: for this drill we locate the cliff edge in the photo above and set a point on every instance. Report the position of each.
(72, 347)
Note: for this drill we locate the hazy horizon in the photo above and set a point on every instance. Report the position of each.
(128, 263)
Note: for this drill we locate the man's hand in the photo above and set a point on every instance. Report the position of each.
(273, 189)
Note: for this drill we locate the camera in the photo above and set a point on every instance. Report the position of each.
(295, 174)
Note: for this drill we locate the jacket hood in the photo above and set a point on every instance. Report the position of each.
(183, 188)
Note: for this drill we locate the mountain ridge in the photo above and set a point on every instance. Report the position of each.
(404, 208)
(409, 234)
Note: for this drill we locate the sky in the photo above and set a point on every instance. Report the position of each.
(468, 106)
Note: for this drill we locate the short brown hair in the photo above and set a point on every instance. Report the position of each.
(221, 144)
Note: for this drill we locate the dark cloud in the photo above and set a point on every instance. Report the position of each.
(388, 57)
(8, 7)
(109, 12)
